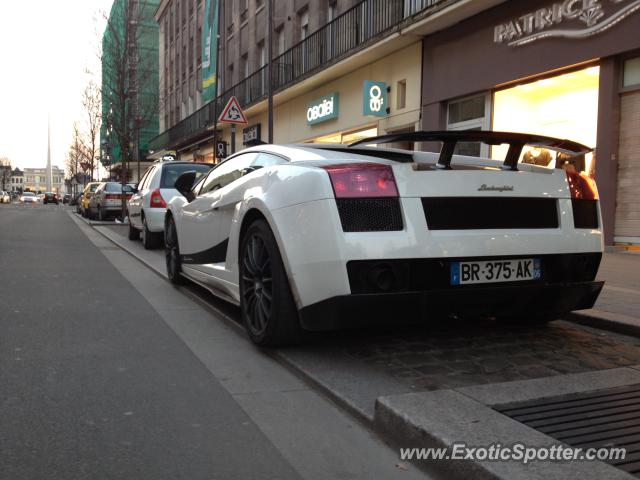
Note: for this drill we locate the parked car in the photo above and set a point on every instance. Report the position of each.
(28, 197)
(5, 197)
(310, 237)
(87, 193)
(66, 199)
(75, 200)
(147, 206)
(107, 199)
(50, 197)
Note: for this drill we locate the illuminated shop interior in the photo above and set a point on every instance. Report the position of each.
(347, 137)
(564, 106)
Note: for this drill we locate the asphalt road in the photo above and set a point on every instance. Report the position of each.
(95, 384)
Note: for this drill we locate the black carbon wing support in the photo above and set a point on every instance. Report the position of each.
(449, 139)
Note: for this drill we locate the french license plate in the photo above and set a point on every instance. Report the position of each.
(492, 271)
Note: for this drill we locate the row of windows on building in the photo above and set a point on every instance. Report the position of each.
(182, 34)
(30, 179)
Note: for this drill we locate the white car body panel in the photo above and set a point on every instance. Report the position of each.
(140, 202)
(298, 202)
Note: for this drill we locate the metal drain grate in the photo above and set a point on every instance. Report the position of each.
(602, 418)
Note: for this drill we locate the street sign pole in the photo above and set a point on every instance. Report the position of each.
(233, 115)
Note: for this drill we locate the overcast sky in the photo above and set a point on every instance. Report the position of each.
(45, 48)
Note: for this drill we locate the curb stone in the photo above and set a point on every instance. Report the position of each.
(441, 418)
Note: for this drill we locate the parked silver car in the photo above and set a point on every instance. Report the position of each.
(107, 200)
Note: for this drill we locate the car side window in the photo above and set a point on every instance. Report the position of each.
(227, 172)
(267, 160)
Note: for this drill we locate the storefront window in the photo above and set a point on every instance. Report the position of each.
(631, 73)
(469, 114)
(565, 106)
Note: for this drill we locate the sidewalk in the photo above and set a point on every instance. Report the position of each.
(618, 306)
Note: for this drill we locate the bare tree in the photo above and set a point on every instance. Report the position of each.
(128, 77)
(5, 173)
(76, 155)
(89, 138)
(129, 81)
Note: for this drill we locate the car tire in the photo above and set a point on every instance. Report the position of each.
(267, 307)
(134, 233)
(150, 240)
(100, 214)
(172, 252)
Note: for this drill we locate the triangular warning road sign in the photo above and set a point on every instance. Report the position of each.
(232, 113)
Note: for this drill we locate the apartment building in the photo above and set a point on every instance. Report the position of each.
(180, 59)
(17, 180)
(35, 180)
(129, 71)
(326, 54)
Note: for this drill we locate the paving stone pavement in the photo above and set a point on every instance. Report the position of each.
(462, 353)
(467, 354)
(621, 294)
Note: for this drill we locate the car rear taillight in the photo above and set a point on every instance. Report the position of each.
(582, 186)
(584, 200)
(362, 180)
(112, 196)
(156, 200)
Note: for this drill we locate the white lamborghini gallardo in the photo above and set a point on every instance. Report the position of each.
(311, 237)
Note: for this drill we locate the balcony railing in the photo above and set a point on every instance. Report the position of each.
(355, 29)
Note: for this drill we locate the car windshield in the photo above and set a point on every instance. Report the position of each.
(28, 194)
(171, 172)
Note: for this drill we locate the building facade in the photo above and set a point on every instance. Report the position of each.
(129, 86)
(568, 69)
(35, 180)
(336, 59)
(180, 59)
(17, 180)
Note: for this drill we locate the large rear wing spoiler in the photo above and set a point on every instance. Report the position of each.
(449, 139)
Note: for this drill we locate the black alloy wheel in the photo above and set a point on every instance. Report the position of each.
(258, 284)
(172, 252)
(268, 309)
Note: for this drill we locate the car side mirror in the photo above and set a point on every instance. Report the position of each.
(184, 183)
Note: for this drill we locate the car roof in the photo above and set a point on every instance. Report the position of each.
(322, 151)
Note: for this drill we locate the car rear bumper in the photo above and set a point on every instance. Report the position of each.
(359, 310)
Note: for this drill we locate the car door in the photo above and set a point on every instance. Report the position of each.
(94, 200)
(135, 203)
(204, 235)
